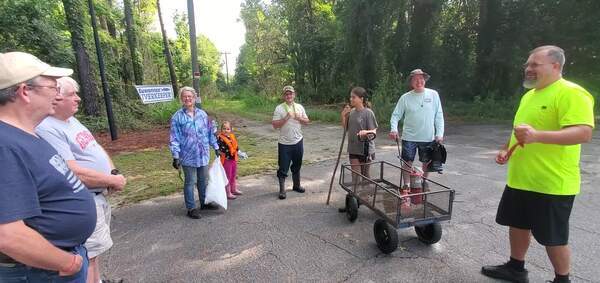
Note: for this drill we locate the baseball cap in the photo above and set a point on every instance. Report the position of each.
(288, 88)
(18, 67)
(415, 72)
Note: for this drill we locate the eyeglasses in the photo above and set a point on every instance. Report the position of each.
(55, 88)
(69, 94)
(534, 65)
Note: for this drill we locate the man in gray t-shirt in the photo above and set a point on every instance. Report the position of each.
(88, 160)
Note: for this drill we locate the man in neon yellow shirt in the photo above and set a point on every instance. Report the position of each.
(553, 119)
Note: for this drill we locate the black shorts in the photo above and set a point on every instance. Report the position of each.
(547, 216)
(362, 158)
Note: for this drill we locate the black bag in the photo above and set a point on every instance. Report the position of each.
(434, 156)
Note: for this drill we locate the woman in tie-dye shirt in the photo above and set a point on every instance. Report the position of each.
(191, 137)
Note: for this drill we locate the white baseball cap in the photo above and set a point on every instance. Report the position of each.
(18, 67)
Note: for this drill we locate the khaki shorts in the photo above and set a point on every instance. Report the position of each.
(100, 241)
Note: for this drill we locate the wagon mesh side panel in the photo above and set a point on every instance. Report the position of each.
(380, 189)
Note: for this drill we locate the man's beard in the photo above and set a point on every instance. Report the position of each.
(529, 84)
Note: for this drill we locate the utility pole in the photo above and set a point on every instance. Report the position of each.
(193, 47)
(107, 98)
(226, 68)
(167, 52)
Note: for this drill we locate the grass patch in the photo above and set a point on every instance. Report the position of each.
(250, 107)
(149, 173)
(488, 109)
(319, 113)
(261, 108)
(261, 158)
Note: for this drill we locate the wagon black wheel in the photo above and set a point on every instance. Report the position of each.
(351, 208)
(385, 236)
(430, 233)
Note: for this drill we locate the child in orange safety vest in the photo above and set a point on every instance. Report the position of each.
(228, 147)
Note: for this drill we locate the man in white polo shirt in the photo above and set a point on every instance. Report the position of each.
(289, 117)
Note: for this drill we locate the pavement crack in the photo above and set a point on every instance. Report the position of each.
(276, 256)
(356, 270)
(586, 230)
(334, 244)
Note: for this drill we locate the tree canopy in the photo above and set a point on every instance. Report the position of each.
(59, 32)
(472, 49)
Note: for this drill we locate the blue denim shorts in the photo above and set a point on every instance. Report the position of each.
(17, 272)
(409, 149)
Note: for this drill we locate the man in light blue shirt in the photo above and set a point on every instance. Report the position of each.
(423, 119)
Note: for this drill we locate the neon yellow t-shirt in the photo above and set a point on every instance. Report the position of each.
(550, 168)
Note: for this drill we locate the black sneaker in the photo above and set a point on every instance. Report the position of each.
(298, 189)
(559, 280)
(282, 195)
(193, 213)
(209, 206)
(112, 281)
(505, 272)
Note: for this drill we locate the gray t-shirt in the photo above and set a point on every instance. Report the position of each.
(360, 120)
(74, 141)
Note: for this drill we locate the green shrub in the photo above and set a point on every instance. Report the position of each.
(160, 113)
(385, 96)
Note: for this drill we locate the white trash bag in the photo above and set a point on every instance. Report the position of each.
(217, 180)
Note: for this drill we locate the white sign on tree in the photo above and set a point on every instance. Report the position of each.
(155, 93)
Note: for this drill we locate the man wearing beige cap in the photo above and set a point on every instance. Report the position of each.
(423, 121)
(46, 213)
(289, 117)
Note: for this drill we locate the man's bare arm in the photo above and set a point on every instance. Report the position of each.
(94, 179)
(27, 246)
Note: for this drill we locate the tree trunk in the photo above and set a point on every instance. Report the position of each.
(167, 51)
(110, 24)
(422, 33)
(399, 38)
(88, 90)
(138, 72)
(488, 23)
(368, 60)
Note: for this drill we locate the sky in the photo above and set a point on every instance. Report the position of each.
(219, 20)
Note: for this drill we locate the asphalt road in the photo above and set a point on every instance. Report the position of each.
(262, 239)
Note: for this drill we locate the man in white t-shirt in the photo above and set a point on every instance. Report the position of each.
(88, 160)
(289, 117)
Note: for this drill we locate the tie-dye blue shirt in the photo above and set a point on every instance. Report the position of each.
(191, 138)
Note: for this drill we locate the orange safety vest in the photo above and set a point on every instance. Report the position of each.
(231, 143)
